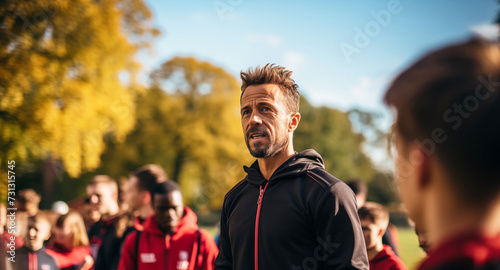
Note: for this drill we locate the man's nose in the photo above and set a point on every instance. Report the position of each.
(255, 118)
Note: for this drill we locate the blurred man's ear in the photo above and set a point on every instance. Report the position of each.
(146, 197)
(381, 232)
(421, 163)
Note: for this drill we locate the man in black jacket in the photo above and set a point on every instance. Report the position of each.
(288, 213)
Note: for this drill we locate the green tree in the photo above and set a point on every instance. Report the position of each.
(330, 132)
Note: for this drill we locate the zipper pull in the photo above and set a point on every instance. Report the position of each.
(259, 201)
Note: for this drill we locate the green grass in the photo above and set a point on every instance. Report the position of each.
(410, 252)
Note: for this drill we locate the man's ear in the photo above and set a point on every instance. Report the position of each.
(294, 121)
(421, 164)
(146, 197)
(381, 232)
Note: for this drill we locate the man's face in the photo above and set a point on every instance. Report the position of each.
(38, 232)
(169, 209)
(101, 197)
(265, 120)
(372, 233)
(133, 196)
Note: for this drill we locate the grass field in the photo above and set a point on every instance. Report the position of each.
(409, 249)
(410, 252)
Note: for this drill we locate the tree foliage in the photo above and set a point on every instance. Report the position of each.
(62, 71)
(329, 131)
(187, 121)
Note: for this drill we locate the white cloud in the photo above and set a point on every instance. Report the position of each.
(266, 39)
(293, 60)
(489, 31)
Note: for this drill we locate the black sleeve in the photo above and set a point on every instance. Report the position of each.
(224, 258)
(338, 230)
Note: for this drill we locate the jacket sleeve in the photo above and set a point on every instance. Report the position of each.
(210, 250)
(341, 243)
(128, 258)
(225, 258)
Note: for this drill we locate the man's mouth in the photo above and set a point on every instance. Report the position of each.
(256, 136)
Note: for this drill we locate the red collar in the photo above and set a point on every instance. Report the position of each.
(472, 250)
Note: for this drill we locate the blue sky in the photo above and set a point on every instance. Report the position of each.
(308, 36)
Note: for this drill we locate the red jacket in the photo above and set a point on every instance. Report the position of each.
(158, 250)
(68, 259)
(386, 259)
(468, 251)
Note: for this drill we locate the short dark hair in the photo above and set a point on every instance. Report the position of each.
(148, 176)
(450, 99)
(164, 188)
(357, 186)
(376, 213)
(273, 74)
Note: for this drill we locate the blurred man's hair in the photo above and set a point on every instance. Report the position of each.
(104, 180)
(452, 94)
(357, 186)
(148, 176)
(376, 213)
(29, 196)
(273, 74)
(164, 188)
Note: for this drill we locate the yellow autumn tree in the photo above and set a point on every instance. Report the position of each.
(67, 77)
(188, 121)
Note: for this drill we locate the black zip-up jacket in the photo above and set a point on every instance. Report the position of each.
(302, 218)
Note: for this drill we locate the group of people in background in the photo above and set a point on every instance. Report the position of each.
(288, 212)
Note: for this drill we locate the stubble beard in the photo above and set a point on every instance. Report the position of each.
(263, 151)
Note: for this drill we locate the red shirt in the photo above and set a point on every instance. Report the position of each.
(178, 250)
(68, 259)
(386, 259)
(468, 251)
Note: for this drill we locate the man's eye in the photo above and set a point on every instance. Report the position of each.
(245, 112)
(265, 109)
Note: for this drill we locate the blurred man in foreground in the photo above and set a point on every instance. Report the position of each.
(374, 219)
(447, 139)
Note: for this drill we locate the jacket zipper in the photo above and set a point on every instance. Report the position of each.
(259, 204)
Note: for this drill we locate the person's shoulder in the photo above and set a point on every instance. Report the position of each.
(236, 188)
(324, 179)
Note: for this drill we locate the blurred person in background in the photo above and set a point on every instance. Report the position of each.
(360, 190)
(122, 194)
(89, 214)
(69, 243)
(138, 194)
(33, 256)
(391, 235)
(28, 201)
(106, 236)
(171, 238)
(447, 141)
(374, 219)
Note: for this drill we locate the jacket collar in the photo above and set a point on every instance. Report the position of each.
(296, 165)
